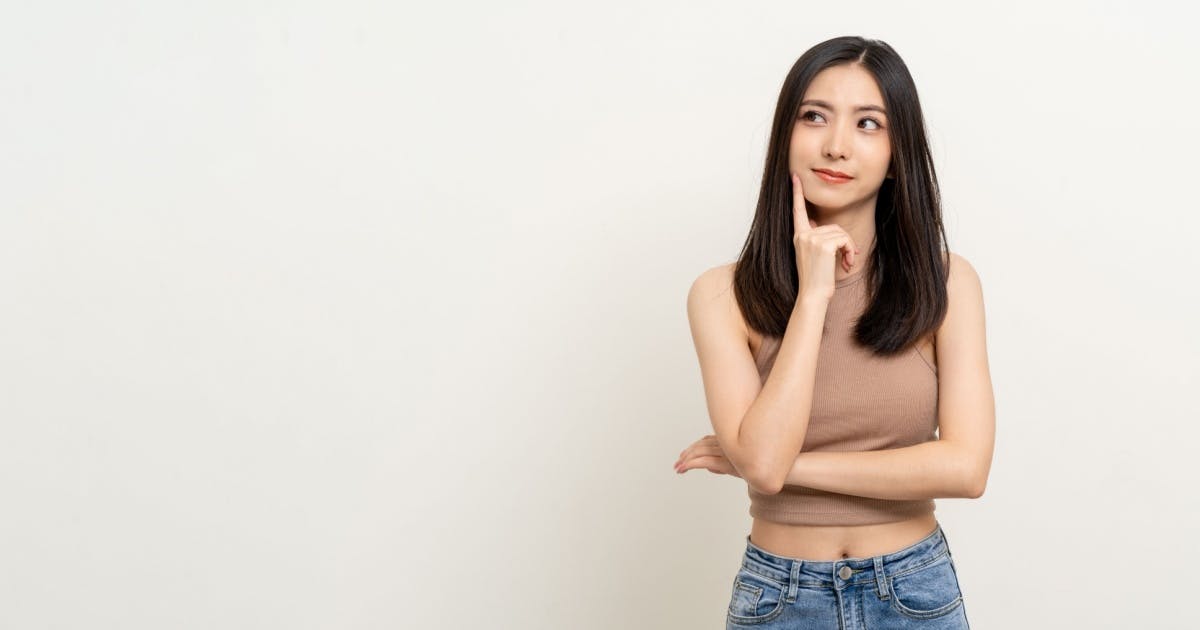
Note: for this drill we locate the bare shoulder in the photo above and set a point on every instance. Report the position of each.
(961, 271)
(720, 273)
(963, 287)
(727, 367)
(964, 293)
(711, 296)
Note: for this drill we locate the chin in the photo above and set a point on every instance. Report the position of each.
(833, 198)
(832, 204)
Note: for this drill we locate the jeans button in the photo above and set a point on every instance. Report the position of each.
(845, 573)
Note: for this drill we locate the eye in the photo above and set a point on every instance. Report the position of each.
(808, 114)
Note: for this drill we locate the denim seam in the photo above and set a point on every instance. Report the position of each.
(922, 614)
(918, 567)
(881, 587)
(755, 592)
(769, 578)
(778, 610)
(925, 614)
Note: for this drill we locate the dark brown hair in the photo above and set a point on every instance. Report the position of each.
(906, 273)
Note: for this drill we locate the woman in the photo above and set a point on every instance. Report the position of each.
(842, 339)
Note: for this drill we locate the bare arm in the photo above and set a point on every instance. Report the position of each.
(929, 470)
(759, 426)
(776, 424)
(957, 463)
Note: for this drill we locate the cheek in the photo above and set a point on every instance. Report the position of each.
(878, 156)
(800, 147)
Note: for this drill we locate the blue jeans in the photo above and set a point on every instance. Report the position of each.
(915, 587)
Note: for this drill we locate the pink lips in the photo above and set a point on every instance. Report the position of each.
(833, 177)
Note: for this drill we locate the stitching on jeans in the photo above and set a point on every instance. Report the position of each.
(768, 578)
(735, 618)
(829, 584)
(755, 592)
(936, 613)
(918, 567)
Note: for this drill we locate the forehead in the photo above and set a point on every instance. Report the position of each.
(845, 86)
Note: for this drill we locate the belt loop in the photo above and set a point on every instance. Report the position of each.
(880, 578)
(794, 581)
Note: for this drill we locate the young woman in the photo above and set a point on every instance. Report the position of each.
(844, 362)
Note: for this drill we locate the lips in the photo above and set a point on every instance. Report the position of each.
(832, 173)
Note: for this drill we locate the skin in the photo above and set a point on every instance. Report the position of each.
(957, 464)
(855, 143)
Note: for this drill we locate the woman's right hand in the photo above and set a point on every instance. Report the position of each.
(817, 248)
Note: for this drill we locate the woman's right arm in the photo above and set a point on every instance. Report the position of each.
(760, 426)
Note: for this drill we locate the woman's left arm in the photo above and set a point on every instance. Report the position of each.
(958, 462)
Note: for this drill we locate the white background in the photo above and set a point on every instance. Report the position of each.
(372, 315)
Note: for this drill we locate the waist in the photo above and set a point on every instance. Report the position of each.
(855, 569)
(835, 542)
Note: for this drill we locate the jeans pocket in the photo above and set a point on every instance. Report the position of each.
(756, 598)
(927, 592)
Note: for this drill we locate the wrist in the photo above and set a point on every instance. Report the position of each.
(809, 303)
(796, 473)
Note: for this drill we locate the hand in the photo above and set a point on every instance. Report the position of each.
(817, 247)
(705, 453)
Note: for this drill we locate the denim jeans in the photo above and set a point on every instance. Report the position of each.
(915, 587)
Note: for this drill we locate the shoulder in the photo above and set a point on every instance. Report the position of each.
(714, 278)
(960, 263)
(962, 279)
(711, 297)
(964, 294)
(712, 283)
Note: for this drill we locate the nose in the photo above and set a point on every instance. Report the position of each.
(835, 144)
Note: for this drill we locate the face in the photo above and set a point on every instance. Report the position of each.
(834, 134)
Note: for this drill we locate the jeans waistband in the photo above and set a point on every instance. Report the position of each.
(793, 572)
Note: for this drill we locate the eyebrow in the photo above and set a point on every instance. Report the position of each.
(860, 108)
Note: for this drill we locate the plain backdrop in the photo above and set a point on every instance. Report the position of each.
(372, 315)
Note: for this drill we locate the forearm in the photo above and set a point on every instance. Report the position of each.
(928, 470)
(773, 430)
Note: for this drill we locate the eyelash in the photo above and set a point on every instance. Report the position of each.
(804, 116)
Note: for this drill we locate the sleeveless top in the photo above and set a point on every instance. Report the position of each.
(861, 402)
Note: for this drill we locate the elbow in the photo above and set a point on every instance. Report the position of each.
(765, 487)
(976, 484)
(764, 481)
(759, 476)
(972, 476)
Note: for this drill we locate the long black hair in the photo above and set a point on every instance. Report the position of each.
(907, 271)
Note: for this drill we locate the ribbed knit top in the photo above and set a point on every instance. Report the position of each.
(861, 402)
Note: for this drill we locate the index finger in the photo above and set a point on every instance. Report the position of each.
(799, 212)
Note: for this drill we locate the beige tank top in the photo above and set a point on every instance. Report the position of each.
(861, 402)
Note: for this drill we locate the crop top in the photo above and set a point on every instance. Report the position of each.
(861, 402)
